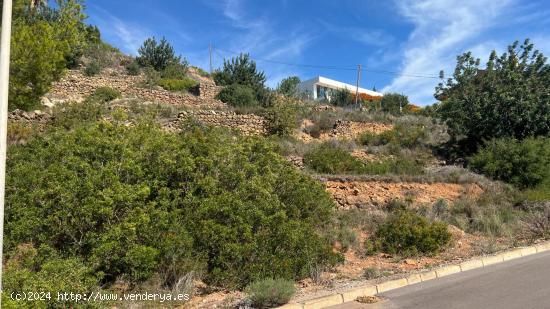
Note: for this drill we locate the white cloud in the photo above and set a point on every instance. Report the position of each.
(372, 37)
(128, 36)
(259, 37)
(443, 29)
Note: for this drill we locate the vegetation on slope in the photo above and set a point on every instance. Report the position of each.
(134, 203)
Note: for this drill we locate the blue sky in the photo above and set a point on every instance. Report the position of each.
(407, 38)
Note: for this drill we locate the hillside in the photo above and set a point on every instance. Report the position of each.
(361, 197)
(148, 175)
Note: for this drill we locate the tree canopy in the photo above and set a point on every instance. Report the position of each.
(158, 55)
(289, 86)
(43, 42)
(510, 97)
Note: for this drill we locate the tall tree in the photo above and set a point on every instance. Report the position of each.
(510, 97)
(41, 45)
(158, 55)
(240, 70)
(289, 86)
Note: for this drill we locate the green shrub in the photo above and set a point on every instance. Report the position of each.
(322, 122)
(41, 48)
(394, 103)
(105, 94)
(525, 164)
(370, 273)
(30, 269)
(342, 97)
(136, 201)
(151, 79)
(175, 71)
(410, 136)
(289, 86)
(71, 115)
(537, 194)
(396, 166)
(18, 133)
(92, 69)
(536, 223)
(103, 54)
(406, 233)
(201, 72)
(133, 68)
(238, 96)
(281, 120)
(330, 159)
(177, 84)
(269, 293)
(157, 55)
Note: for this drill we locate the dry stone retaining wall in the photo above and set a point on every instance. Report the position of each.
(248, 124)
(75, 86)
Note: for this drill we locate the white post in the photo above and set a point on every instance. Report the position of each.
(5, 42)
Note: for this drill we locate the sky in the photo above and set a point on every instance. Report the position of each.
(401, 45)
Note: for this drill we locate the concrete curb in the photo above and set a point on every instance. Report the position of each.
(371, 290)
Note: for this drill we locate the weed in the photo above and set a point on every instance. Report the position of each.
(268, 293)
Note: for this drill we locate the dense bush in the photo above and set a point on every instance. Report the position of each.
(281, 120)
(133, 68)
(525, 164)
(41, 45)
(92, 69)
(409, 136)
(406, 233)
(130, 202)
(175, 71)
(331, 159)
(157, 55)
(289, 86)
(177, 84)
(242, 71)
(342, 97)
(103, 54)
(507, 98)
(238, 96)
(42, 270)
(269, 293)
(151, 79)
(18, 133)
(72, 114)
(536, 224)
(394, 103)
(105, 94)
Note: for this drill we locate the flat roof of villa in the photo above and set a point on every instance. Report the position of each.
(330, 83)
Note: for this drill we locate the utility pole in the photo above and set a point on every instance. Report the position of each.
(357, 85)
(210, 55)
(5, 42)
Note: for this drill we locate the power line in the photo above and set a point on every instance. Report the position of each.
(325, 67)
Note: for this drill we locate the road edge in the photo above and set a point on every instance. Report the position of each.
(373, 289)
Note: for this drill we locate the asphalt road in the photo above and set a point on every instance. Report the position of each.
(521, 283)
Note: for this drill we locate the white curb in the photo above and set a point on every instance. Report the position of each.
(370, 290)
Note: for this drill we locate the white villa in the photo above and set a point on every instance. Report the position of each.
(320, 88)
